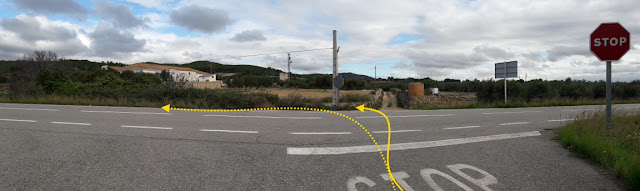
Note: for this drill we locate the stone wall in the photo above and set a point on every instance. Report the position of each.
(432, 100)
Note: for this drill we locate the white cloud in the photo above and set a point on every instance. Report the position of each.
(107, 41)
(52, 7)
(460, 39)
(157, 4)
(200, 18)
(119, 15)
(27, 33)
(249, 35)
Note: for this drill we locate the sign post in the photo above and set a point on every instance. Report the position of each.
(506, 70)
(609, 42)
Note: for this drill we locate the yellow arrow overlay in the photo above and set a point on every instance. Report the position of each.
(394, 183)
(362, 108)
(167, 107)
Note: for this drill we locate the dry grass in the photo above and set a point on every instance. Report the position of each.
(619, 151)
(309, 93)
(458, 94)
(448, 104)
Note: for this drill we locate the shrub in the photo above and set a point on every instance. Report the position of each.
(292, 100)
(353, 97)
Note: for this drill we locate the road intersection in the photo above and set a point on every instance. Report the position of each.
(119, 148)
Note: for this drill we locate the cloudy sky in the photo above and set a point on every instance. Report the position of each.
(459, 39)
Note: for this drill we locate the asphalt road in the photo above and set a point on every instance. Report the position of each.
(54, 147)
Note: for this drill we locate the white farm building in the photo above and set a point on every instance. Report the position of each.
(178, 73)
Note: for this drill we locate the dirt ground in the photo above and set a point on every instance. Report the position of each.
(309, 93)
(389, 98)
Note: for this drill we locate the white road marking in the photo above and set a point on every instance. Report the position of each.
(515, 123)
(146, 127)
(228, 131)
(511, 112)
(19, 120)
(71, 123)
(379, 116)
(555, 120)
(404, 146)
(396, 131)
(581, 110)
(29, 109)
(465, 127)
(320, 133)
(126, 112)
(263, 117)
(632, 107)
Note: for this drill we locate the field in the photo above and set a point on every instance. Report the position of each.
(309, 93)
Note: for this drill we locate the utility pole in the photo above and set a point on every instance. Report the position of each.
(289, 66)
(375, 73)
(336, 91)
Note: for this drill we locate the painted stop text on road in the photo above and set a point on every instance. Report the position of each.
(455, 175)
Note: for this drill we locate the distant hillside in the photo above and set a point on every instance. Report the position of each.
(350, 75)
(207, 66)
(346, 76)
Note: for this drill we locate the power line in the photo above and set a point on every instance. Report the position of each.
(250, 55)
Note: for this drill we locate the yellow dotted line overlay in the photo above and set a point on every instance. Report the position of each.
(384, 160)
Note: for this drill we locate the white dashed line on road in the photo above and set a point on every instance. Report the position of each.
(320, 133)
(70, 123)
(397, 131)
(556, 120)
(262, 117)
(147, 127)
(401, 116)
(465, 127)
(581, 110)
(404, 146)
(29, 109)
(126, 112)
(19, 120)
(511, 112)
(228, 131)
(515, 123)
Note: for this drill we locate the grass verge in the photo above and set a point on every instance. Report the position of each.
(619, 152)
(535, 103)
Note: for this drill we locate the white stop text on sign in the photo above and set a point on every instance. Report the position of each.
(613, 41)
(428, 175)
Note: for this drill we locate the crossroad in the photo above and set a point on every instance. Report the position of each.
(55, 147)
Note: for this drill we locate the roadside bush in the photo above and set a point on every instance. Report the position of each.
(292, 100)
(26, 88)
(355, 97)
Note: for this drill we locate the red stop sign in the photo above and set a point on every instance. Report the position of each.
(610, 41)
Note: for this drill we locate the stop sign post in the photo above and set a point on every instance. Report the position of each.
(609, 42)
